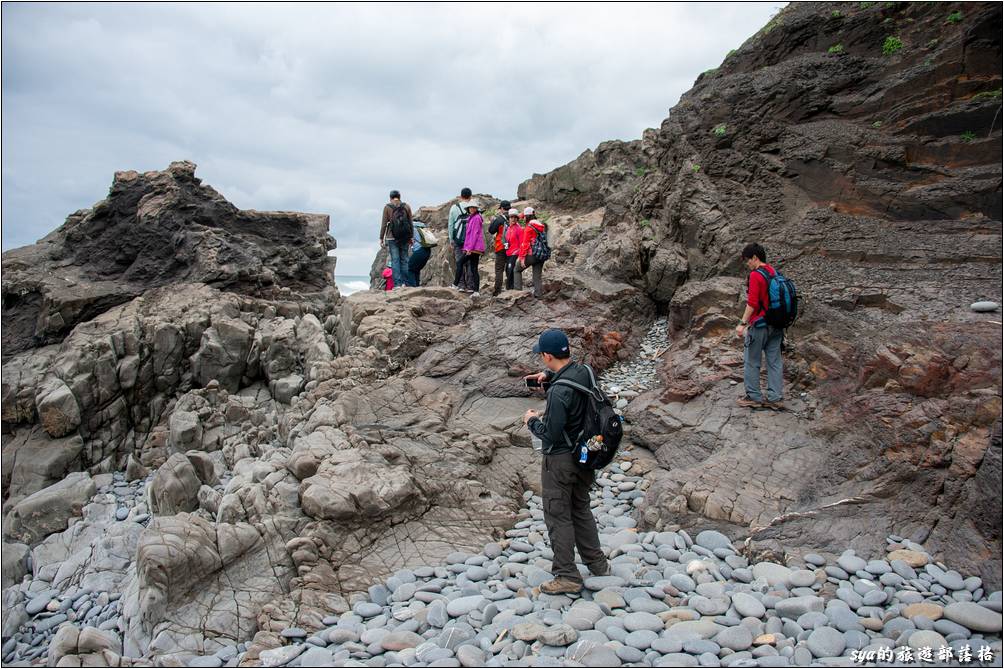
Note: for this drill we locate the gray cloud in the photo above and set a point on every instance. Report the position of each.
(326, 107)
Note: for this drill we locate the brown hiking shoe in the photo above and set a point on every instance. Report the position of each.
(747, 402)
(600, 569)
(774, 406)
(561, 586)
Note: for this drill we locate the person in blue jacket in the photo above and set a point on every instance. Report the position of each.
(419, 256)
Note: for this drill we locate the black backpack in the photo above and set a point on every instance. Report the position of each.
(540, 249)
(460, 227)
(600, 419)
(400, 226)
(782, 300)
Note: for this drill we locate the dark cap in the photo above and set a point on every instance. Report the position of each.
(505, 204)
(395, 194)
(465, 192)
(551, 341)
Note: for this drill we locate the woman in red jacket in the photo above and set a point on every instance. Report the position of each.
(526, 257)
(513, 239)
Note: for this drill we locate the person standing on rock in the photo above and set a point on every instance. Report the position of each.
(421, 249)
(474, 247)
(498, 228)
(513, 237)
(396, 232)
(527, 258)
(457, 211)
(567, 513)
(759, 339)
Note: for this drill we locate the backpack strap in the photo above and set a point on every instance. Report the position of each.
(767, 276)
(593, 391)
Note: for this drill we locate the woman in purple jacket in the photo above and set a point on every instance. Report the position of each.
(474, 247)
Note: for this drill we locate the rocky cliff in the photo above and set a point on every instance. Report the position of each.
(861, 144)
(155, 229)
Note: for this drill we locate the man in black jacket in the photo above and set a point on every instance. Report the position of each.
(567, 514)
(497, 229)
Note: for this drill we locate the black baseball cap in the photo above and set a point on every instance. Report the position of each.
(505, 204)
(551, 341)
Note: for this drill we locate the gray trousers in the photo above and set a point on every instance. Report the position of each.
(763, 341)
(569, 519)
(536, 273)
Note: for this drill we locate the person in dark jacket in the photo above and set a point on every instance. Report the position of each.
(567, 514)
(456, 212)
(397, 249)
(419, 255)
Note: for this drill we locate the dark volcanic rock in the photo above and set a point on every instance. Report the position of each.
(155, 229)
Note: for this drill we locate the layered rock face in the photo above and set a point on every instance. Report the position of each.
(155, 229)
(870, 170)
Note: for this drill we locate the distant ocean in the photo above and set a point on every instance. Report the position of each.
(351, 283)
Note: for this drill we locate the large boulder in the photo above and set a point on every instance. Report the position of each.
(174, 487)
(58, 410)
(223, 354)
(349, 484)
(15, 564)
(32, 460)
(49, 510)
(199, 585)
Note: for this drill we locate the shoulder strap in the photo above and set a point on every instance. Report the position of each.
(592, 391)
(767, 276)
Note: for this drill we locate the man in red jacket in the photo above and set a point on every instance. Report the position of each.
(760, 339)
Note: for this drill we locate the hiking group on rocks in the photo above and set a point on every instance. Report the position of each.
(568, 471)
(572, 424)
(518, 240)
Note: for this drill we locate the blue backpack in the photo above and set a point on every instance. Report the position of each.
(782, 300)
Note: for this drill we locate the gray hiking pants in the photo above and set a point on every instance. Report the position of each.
(536, 274)
(763, 341)
(569, 519)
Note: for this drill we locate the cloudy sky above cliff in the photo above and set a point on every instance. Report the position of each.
(324, 108)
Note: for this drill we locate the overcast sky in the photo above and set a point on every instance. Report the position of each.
(324, 108)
